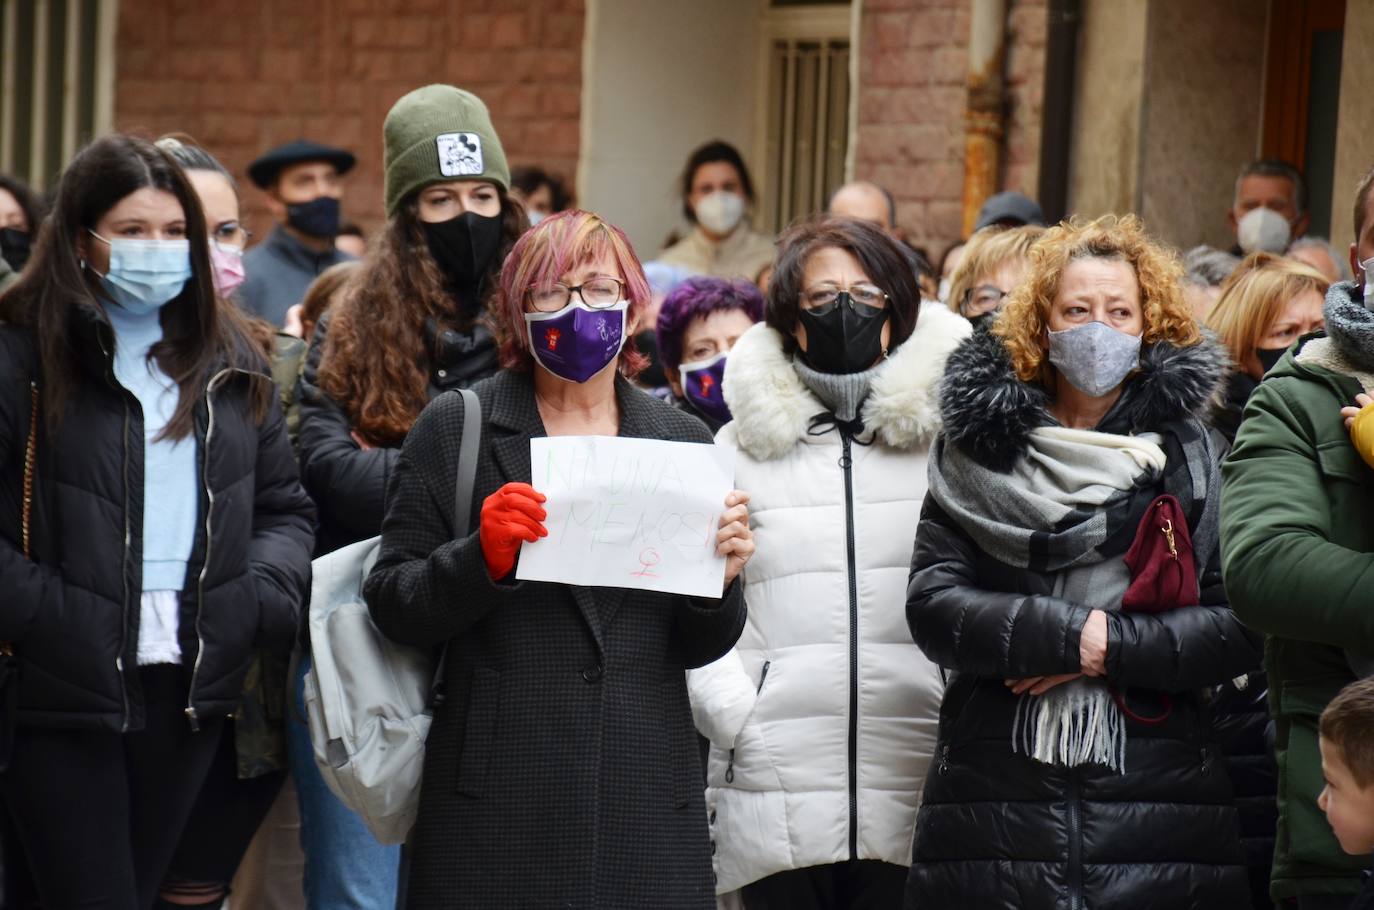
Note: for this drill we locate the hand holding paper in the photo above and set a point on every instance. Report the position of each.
(509, 516)
(736, 541)
(636, 513)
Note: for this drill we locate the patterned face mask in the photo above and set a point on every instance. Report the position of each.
(578, 341)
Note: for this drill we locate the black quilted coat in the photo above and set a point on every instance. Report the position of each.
(347, 481)
(998, 830)
(73, 611)
(562, 768)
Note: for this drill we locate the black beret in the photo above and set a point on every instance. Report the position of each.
(264, 171)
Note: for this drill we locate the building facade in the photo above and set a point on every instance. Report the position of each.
(1091, 105)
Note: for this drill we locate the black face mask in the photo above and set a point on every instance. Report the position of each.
(1268, 357)
(14, 247)
(984, 322)
(318, 217)
(464, 248)
(847, 338)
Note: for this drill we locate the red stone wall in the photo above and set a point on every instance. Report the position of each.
(243, 75)
(913, 66)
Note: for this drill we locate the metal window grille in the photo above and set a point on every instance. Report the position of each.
(808, 126)
(56, 82)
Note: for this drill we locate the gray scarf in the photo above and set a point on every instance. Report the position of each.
(842, 393)
(1056, 511)
(1350, 325)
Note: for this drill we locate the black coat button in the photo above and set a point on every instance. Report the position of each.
(593, 672)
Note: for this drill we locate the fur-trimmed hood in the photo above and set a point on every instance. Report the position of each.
(772, 409)
(989, 413)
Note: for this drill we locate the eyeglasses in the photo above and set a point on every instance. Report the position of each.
(983, 298)
(598, 293)
(822, 298)
(231, 233)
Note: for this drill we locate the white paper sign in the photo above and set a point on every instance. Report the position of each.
(629, 513)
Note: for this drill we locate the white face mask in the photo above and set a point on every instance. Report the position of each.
(943, 293)
(1263, 229)
(720, 212)
(1368, 268)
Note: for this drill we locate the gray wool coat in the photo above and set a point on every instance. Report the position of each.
(562, 767)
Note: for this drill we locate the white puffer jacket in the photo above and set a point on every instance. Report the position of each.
(812, 763)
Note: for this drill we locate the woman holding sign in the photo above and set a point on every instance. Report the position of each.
(562, 768)
(822, 720)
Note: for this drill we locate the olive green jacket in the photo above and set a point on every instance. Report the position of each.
(260, 722)
(1298, 550)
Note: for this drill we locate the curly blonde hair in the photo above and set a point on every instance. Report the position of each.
(1025, 320)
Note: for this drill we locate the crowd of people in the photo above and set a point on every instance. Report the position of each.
(1047, 570)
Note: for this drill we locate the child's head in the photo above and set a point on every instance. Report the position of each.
(1347, 747)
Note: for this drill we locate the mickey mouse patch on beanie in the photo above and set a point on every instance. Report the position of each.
(460, 154)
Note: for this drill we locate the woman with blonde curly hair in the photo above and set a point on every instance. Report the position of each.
(1076, 766)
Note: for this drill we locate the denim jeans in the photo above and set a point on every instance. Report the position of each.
(345, 867)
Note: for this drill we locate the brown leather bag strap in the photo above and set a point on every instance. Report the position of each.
(30, 459)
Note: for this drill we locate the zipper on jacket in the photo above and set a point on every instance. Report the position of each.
(1075, 876)
(730, 768)
(847, 464)
(209, 540)
(128, 535)
(128, 545)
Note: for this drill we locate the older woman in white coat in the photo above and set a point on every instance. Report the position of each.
(823, 718)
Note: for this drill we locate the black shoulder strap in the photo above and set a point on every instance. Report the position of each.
(467, 463)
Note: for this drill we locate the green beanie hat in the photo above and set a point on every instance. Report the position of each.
(439, 133)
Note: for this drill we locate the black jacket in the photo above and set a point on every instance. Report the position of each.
(73, 610)
(999, 830)
(562, 768)
(348, 482)
(1240, 712)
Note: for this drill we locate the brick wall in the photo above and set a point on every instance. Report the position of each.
(243, 75)
(913, 66)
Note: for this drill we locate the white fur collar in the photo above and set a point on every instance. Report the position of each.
(772, 409)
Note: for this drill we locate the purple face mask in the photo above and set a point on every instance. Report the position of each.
(577, 342)
(701, 386)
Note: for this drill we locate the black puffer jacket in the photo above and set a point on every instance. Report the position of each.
(1240, 713)
(999, 830)
(73, 610)
(348, 482)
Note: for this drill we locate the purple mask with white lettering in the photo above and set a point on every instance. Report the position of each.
(577, 342)
(701, 386)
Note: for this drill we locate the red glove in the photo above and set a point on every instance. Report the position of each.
(509, 516)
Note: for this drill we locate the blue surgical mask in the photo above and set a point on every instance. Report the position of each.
(536, 217)
(145, 274)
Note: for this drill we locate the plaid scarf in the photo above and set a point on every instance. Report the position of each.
(1070, 505)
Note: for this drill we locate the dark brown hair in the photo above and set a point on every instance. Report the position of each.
(882, 260)
(1348, 724)
(375, 363)
(199, 334)
(29, 202)
(715, 151)
(1362, 201)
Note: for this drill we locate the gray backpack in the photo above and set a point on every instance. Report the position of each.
(369, 701)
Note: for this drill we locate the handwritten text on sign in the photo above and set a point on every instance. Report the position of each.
(629, 513)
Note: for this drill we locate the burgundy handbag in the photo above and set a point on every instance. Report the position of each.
(1163, 576)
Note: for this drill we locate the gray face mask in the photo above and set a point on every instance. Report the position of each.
(1095, 358)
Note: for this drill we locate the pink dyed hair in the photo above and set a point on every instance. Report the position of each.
(542, 256)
